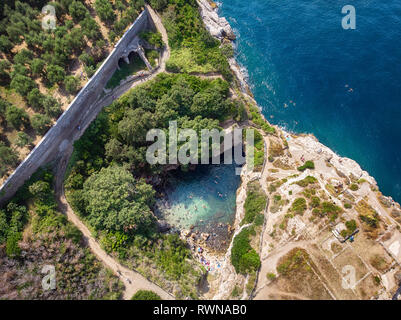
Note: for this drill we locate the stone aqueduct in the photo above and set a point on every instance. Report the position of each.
(64, 130)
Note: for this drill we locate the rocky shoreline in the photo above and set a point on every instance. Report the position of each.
(305, 144)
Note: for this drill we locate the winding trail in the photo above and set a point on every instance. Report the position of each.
(132, 280)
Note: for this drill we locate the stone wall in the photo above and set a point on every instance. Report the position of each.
(64, 131)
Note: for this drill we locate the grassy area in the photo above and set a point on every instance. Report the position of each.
(182, 60)
(136, 64)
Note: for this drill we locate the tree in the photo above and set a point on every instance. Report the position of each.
(3, 108)
(105, 11)
(134, 126)
(23, 139)
(22, 84)
(87, 59)
(90, 28)
(71, 84)
(118, 202)
(8, 158)
(52, 106)
(55, 74)
(75, 40)
(5, 44)
(5, 72)
(17, 117)
(37, 67)
(159, 5)
(41, 123)
(35, 99)
(209, 104)
(77, 11)
(23, 56)
(12, 247)
(145, 295)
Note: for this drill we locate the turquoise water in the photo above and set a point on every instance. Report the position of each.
(202, 198)
(310, 75)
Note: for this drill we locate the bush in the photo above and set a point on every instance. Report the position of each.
(308, 165)
(55, 74)
(17, 117)
(243, 257)
(305, 182)
(299, 206)
(41, 123)
(145, 295)
(8, 158)
(153, 38)
(35, 99)
(22, 84)
(105, 10)
(254, 204)
(77, 11)
(71, 84)
(354, 187)
(228, 50)
(347, 205)
(52, 107)
(12, 248)
(271, 276)
(23, 140)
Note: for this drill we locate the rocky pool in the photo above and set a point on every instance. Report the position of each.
(203, 200)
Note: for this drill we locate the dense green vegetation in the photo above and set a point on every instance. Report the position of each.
(145, 295)
(307, 181)
(36, 65)
(34, 207)
(193, 48)
(255, 203)
(243, 257)
(299, 206)
(327, 209)
(105, 184)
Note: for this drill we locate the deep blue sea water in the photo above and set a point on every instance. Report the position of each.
(302, 66)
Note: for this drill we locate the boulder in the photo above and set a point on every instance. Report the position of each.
(163, 226)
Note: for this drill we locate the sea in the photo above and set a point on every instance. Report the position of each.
(310, 75)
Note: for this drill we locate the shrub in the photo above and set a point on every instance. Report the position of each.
(23, 140)
(35, 99)
(52, 107)
(8, 157)
(55, 74)
(71, 84)
(22, 84)
(77, 11)
(299, 206)
(243, 257)
(145, 295)
(308, 165)
(351, 225)
(17, 117)
(271, 276)
(354, 187)
(305, 182)
(254, 204)
(347, 205)
(12, 248)
(41, 123)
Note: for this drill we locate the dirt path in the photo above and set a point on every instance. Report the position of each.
(132, 280)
